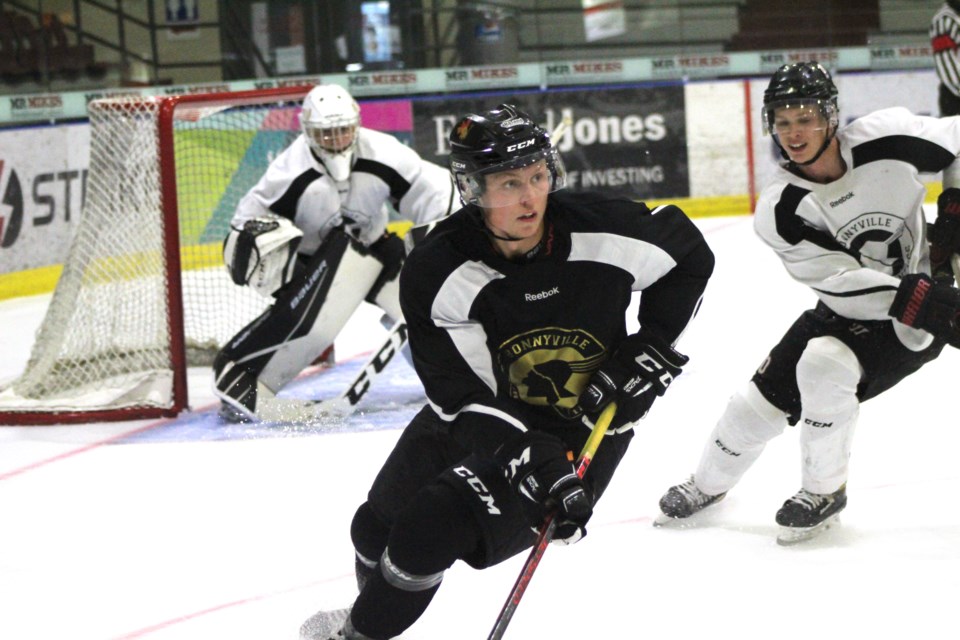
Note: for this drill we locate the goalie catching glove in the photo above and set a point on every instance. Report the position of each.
(540, 468)
(926, 304)
(639, 372)
(262, 253)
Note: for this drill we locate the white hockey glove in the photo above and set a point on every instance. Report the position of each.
(262, 254)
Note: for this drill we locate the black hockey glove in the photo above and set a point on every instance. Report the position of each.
(945, 234)
(539, 467)
(389, 250)
(639, 372)
(926, 304)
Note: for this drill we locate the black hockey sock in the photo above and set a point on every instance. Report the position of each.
(383, 611)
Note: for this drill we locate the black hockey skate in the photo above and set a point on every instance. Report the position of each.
(806, 514)
(330, 625)
(682, 501)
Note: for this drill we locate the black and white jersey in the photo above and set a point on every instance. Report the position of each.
(505, 346)
(945, 41)
(297, 186)
(853, 239)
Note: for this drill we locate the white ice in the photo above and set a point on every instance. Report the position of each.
(107, 533)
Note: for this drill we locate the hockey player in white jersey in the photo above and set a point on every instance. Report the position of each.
(844, 214)
(312, 234)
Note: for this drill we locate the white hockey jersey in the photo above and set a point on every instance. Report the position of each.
(853, 239)
(296, 186)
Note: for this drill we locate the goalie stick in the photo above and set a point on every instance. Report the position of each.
(273, 409)
(560, 130)
(549, 526)
(347, 401)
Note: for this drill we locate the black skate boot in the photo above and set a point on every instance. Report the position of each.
(684, 500)
(806, 514)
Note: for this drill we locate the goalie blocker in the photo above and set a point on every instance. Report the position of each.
(308, 313)
(262, 254)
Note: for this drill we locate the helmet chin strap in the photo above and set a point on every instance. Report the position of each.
(506, 238)
(481, 221)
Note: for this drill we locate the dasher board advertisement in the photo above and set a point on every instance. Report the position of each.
(628, 141)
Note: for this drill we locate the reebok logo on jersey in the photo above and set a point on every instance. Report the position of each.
(839, 201)
(533, 297)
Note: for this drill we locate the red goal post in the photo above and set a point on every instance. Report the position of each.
(144, 293)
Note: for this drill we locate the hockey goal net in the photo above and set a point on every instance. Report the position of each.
(144, 293)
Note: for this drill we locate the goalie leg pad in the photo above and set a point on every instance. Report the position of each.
(307, 315)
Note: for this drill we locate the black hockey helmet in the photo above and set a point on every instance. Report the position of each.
(498, 140)
(801, 84)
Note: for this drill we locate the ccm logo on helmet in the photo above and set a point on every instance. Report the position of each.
(520, 145)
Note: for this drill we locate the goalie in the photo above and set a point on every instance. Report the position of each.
(312, 234)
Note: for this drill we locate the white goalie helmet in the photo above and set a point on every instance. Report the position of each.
(329, 120)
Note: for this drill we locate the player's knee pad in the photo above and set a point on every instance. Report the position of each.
(828, 373)
(434, 531)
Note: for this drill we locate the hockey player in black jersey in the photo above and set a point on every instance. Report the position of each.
(844, 214)
(312, 237)
(516, 306)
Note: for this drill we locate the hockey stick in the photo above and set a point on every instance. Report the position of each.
(549, 527)
(344, 404)
(560, 130)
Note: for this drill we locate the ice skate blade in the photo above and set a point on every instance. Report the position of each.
(793, 535)
(663, 520)
(323, 624)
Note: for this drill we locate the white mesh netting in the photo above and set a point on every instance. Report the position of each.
(106, 339)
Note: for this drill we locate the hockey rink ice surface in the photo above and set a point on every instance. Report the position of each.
(191, 529)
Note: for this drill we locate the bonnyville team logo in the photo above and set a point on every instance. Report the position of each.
(11, 206)
(882, 241)
(551, 366)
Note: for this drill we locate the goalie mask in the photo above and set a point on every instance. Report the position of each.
(808, 90)
(329, 119)
(501, 139)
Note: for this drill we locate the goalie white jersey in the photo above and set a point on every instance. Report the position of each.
(297, 186)
(853, 239)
